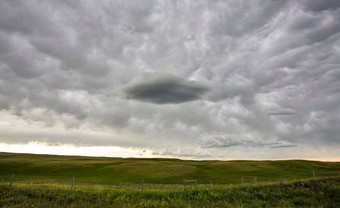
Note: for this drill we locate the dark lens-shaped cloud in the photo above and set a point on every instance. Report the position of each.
(163, 89)
(281, 114)
(284, 112)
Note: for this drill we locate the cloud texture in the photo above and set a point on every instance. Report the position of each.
(258, 74)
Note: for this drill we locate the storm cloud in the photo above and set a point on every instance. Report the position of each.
(163, 89)
(282, 112)
(199, 78)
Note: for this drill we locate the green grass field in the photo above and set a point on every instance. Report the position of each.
(115, 171)
(309, 193)
(45, 181)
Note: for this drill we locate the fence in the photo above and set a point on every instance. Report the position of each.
(192, 183)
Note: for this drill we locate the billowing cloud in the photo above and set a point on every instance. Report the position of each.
(245, 140)
(215, 79)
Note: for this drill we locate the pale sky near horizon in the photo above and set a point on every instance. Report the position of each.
(191, 79)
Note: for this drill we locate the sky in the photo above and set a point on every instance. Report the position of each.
(189, 79)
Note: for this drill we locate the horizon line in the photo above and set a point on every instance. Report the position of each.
(177, 158)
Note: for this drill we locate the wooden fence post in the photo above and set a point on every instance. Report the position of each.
(10, 184)
(185, 181)
(313, 173)
(72, 183)
(211, 185)
(142, 186)
(255, 180)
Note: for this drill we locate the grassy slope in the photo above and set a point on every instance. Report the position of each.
(93, 170)
(312, 193)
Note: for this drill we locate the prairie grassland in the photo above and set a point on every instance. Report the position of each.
(308, 193)
(45, 181)
(31, 168)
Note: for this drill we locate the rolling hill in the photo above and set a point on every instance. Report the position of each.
(109, 171)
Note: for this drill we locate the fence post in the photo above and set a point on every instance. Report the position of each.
(72, 183)
(211, 185)
(10, 184)
(142, 186)
(280, 179)
(196, 183)
(255, 180)
(242, 181)
(184, 184)
(313, 173)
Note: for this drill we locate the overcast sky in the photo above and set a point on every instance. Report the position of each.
(201, 79)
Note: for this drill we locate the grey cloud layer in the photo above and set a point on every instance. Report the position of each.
(272, 68)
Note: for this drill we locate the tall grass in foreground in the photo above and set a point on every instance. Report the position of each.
(308, 193)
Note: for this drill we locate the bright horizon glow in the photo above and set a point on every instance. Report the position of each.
(35, 147)
(73, 150)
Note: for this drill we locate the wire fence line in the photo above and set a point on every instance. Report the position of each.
(187, 184)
